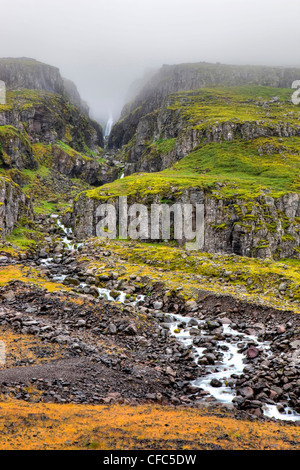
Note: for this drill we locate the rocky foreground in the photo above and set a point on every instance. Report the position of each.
(66, 343)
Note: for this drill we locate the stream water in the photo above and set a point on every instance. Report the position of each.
(230, 359)
(231, 362)
(108, 126)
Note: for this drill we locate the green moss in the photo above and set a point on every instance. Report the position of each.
(161, 146)
(201, 108)
(288, 237)
(228, 170)
(24, 238)
(219, 227)
(221, 274)
(8, 133)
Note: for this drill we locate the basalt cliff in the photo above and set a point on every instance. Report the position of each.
(46, 135)
(224, 136)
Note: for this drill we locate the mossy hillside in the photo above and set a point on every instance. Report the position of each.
(49, 155)
(261, 281)
(172, 79)
(51, 191)
(190, 119)
(70, 124)
(35, 164)
(138, 427)
(72, 131)
(24, 238)
(239, 169)
(161, 146)
(28, 275)
(266, 105)
(76, 132)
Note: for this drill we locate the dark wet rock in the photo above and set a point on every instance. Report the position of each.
(71, 281)
(216, 383)
(194, 331)
(212, 325)
(211, 358)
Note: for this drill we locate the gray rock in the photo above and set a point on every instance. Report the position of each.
(157, 305)
(112, 329)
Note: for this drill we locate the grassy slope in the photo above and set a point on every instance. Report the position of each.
(50, 426)
(245, 168)
(237, 165)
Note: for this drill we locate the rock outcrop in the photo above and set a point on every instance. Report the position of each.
(262, 227)
(14, 205)
(31, 74)
(47, 139)
(28, 73)
(75, 165)
(46, 118)
(38, 127)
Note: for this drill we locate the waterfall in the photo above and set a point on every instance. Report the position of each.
(108, 126)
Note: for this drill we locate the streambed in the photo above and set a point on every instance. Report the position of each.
(221, 360)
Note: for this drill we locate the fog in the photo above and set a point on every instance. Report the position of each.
(104, 46)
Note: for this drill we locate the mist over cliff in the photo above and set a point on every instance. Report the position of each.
(106, 46)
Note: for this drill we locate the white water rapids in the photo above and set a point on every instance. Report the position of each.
(232, 362)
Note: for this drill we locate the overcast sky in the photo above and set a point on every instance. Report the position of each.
(103, 46)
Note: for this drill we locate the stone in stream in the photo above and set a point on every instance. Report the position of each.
(225, 321)
(216, 383)
(194, 331)
(212, 325)
(114, 294)
(157, 305)
(252, 352)
(211, 358)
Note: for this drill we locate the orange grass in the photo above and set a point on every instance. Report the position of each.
(26, 274)
(52, 426)
(28, 348)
